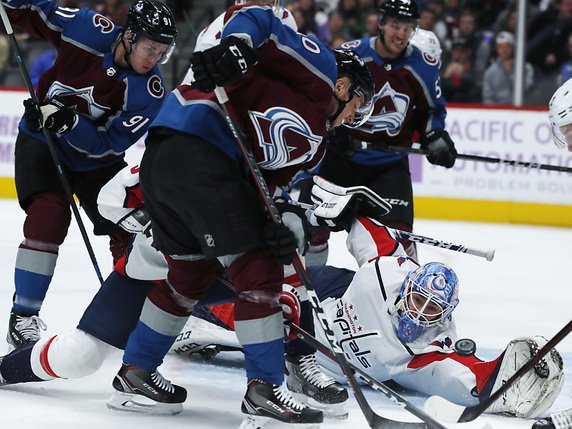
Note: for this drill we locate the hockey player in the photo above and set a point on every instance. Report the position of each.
(286, 90)
(394, 319)
(96, 101)
(560, 116)
(115, 309)
(408, 106)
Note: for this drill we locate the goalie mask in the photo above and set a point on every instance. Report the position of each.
(428, 297)
(560, 116)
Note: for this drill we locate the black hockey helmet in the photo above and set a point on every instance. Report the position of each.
(404, 10)
(153, 20)
(350, 65)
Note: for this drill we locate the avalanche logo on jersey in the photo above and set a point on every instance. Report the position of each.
(285, 138)
(82, 96)
(391, 115)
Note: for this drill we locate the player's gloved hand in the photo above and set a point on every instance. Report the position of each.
(340, 141)
(53, 115)
(441, 149)
(334, 211)
(290, 235)
(290, 301)
(222, 64)
(138, 221)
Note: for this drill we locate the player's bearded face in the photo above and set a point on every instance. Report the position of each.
(145, 54)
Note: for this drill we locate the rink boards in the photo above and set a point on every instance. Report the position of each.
(473, 191)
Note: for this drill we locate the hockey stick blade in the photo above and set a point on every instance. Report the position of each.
(380, 421)
(445, 410)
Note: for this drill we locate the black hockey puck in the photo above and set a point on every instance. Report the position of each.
(465, 347)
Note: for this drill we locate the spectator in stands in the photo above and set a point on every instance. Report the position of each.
(351, 13)
(566, 70)
(486, 11)
(479, 41)
(336, 28)
(548, 33)
(304, 12)
(42, 63)
(440, 28)
(371, 24)
(458, 82)
(498, 81)
(4, 52)
(115, 10)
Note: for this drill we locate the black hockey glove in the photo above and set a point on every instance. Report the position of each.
(56, 115)
(222, 64)
(291, 235)
(441, 149)
(340, 141)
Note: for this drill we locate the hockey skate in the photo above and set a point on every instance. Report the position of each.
(561, 420)
(269, 405)
(533, 393)
(23, 330)
(143, 391)
(311, 386)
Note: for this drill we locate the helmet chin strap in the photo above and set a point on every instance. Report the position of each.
(127, 52)
(341, 106)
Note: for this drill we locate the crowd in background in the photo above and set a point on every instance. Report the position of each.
(477, 38)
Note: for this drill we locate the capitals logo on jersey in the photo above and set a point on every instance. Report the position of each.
(284, 137)
(389, 114)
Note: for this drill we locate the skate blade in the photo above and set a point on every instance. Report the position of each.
(331, 411)
(261, 422)
(140, 404)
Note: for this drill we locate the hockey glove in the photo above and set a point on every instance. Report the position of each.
(222, 64)
(336, 212)
(138, 221)
(291, 235)
(53, 115)
(441, 149)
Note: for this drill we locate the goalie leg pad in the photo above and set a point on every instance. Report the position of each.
(534, 392)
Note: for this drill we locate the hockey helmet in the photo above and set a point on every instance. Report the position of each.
(560, 114)
(350, 65)
(403, 10)
(276, 4)
(153, 20)
(427, 42)
(428, 296)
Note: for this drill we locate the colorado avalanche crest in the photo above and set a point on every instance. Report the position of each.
(284, 137)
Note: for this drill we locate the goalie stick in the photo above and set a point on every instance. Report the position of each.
(51, 146)
(373, 199)
(440, 408)
(428, 421)
(374, 420)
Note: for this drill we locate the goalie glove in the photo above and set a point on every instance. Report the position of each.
(534, 392)
(138, 221)
(334, 211)
(290, 301)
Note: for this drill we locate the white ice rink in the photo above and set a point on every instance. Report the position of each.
(526, 290)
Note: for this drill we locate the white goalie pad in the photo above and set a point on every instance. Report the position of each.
(534, 392)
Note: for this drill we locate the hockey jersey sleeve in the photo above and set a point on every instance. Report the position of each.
(144, 95)
(46, 20)
(369, 239)
(283, 52)
(121, 196)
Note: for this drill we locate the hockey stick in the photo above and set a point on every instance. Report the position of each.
(442, 409)
(487, 254)
(373, 199)
(49, 141)
(429, 422)
(374, 420)
(478, 158)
